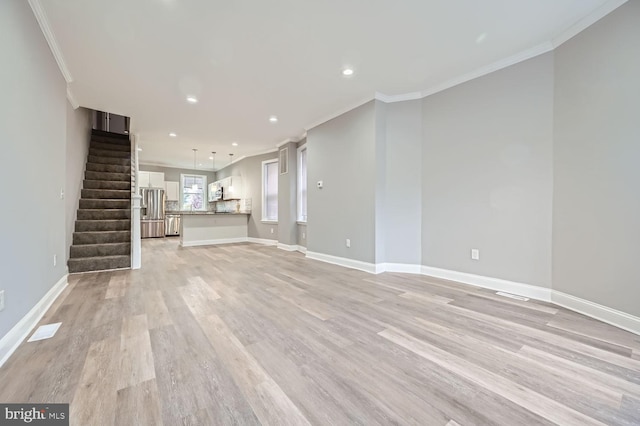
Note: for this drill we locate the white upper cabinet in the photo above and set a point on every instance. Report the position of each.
(172, 191)
(151, 180)
(232, 188)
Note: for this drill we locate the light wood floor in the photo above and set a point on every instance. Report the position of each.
(247, 334)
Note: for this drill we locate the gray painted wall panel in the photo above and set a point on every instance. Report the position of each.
(403, 204)
(32, 165)
(251, 171)
(487, 178)
(341, 153)
(77, 147)
(596, 204)
(287, 197)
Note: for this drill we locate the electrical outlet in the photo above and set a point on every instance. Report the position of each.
(348, 242)
(1, 300)
(55, 259)
(475, 254)
(62, 194)
(272, 230)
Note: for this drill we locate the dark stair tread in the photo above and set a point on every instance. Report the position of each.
(109, 146)
(108, 168)
(107, 184)
(123, 177)
(114, 161)
(94, 152)
(105, 194)
(99, 263)
(101, 249)
(111, 135)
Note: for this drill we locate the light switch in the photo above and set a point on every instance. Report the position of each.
(475, 254)
(320, 184)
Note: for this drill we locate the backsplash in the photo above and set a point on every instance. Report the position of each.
(172, 205)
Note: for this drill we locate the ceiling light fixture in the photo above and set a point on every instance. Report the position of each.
(230, 158)
(347, 72)
(273, 119)
(234, 143)
(213, 160)
(173, 135)
(192, 99)
(139, 149)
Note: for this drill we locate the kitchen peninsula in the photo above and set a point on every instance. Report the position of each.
(199, 228)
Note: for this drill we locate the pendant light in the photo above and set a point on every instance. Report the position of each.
(230, 158)
(213, 161)
(230, 179)
(194, 187)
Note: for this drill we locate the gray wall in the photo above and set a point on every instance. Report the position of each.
(403, 184)
(172, 174)
(302, 235)
(487, 174)
(32, 165)
(251, 171)
(342, 153)
(596, 203)
(287, 198)
(78, 136)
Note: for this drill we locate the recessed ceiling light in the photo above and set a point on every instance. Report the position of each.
(347, 72)
(273, 119)
(211, 158)
(192, 99)
(139, 149)
(234, 143)
(173, 135)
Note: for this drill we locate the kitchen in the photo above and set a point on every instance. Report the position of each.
(192, 205)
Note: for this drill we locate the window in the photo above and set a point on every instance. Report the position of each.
(192, 188)
(270, 190)
(302, 184)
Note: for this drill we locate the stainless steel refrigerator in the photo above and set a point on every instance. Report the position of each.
(152, 212)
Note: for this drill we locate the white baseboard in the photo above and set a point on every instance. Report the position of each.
(343, 261)
(497, 284)
(600, 312)
(302, 249)
(405, 268)
(10, 342)
(287, 247)
(214, 242)
(264, 241)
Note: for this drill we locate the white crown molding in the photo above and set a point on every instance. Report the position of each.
(412, 96)
(586, 22)
(488, 69)
(43, 21)
(268, 151)
(72, 99)
(10, 341)
(338, 113)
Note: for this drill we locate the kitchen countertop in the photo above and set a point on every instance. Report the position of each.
(203, 213)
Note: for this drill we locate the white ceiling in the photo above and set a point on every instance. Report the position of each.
(246, 60)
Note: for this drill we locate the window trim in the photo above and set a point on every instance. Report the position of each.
(264, 182)
(205, 199)
(299, 218)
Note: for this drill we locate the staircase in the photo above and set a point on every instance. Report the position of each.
(102, 237)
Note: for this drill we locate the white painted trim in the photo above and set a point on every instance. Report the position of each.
(262, 241)
(404, 268)
(72, 99)
(300, 183)
(600, 312)
(43, 21)
(411, 96)
(488, 69)
(213, 242)
(339, 112)
(287, 247)
(302, 249)
(497, 284)
(343, 261)
(586, 22)
(10, 341)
